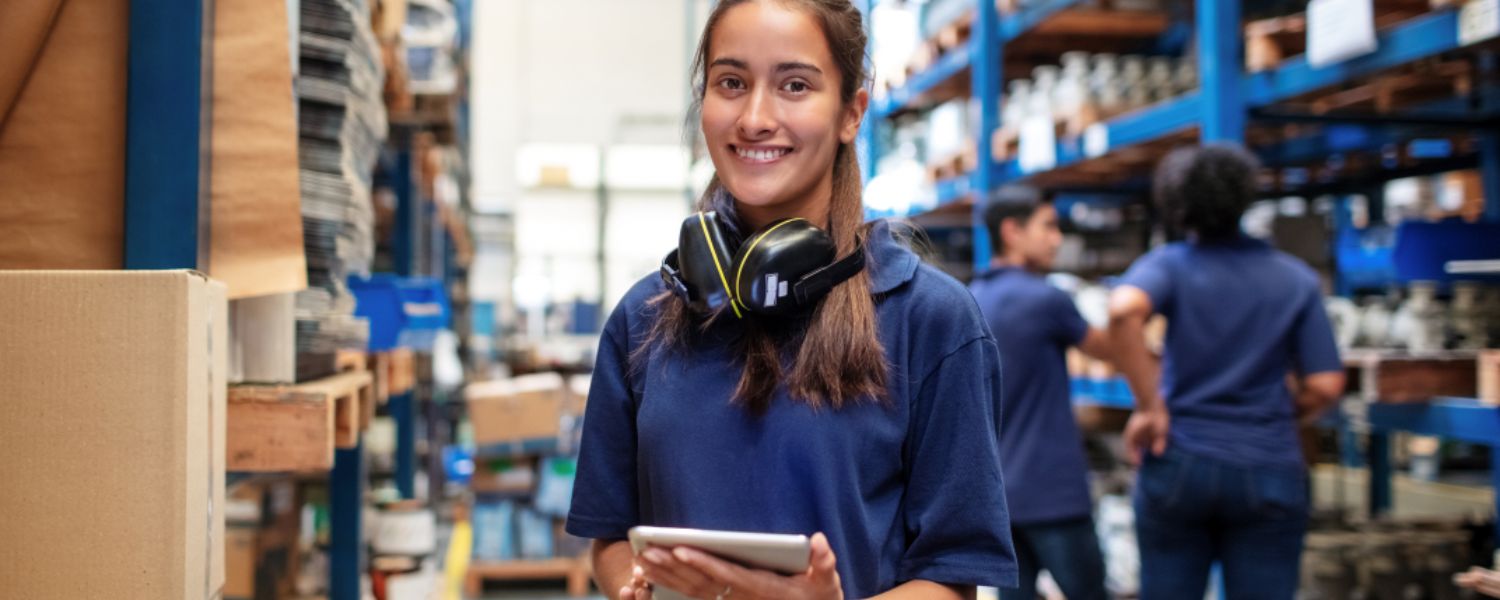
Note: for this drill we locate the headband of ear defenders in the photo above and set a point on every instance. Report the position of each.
(784, 268)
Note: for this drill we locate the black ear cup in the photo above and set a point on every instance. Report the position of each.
(774, 260)
(783, 269)
(701, 268)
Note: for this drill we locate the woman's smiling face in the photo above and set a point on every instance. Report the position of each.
(772, 115)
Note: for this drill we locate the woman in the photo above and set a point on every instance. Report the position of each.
(1215, 424)
(868, 422)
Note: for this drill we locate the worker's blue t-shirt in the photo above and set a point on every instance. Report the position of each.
(1240, 316)
(908, 489)
(1041, 449)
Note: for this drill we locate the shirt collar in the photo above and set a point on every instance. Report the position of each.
(891, 261)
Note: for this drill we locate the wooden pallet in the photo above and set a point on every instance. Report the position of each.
(281, 428)
(574, 570)
(1400, 377)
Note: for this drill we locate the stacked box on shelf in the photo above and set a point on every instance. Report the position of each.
(526, 432)
(342, 126)
(519, 508)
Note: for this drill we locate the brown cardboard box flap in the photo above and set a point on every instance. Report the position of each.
(256, 243)
(24, 27)
(62, 140)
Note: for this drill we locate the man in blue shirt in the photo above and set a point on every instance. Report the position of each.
(1041, 449)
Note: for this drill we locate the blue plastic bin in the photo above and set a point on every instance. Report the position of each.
(403, 311)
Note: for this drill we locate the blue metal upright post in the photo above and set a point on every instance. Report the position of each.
(346, 491)
(1380, 472)
(404, 239)
(168, 106)
(1220, 67)
(986, 67)
(403, 411)
(1489, 174)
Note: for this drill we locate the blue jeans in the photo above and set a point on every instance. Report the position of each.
(1193, 511)
(1069, 550)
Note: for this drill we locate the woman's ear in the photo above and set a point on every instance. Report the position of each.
(854, 114)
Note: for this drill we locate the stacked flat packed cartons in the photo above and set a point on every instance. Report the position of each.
(342, 126)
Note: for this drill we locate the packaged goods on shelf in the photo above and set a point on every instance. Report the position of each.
(554, 492)
(495, 530)
(430, 35)
(504, 476)
(114, 434)
(1089, 88)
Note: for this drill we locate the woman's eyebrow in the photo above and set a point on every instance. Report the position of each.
(797, 66)
(730, 62)
(736, 63)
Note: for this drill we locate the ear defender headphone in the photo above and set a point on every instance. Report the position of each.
(783, 269)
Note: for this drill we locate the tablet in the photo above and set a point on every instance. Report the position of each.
(785, 554)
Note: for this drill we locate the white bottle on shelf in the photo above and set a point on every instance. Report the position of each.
(1017, 104)
(1159, 78)
(1133, 81)
(1073, 87)
(1043, 91)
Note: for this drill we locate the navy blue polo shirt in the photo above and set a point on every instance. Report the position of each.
(1240, 316)
(910, 489)
(1041, 449)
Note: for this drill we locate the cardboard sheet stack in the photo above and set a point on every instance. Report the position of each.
(342, 126)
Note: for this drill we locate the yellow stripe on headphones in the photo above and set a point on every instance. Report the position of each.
(750, 249)
(702, 220)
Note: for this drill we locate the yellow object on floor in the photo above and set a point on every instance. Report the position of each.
(457, 563)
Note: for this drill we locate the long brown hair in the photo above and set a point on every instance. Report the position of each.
(838, 356)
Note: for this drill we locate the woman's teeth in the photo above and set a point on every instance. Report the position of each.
(763, 155)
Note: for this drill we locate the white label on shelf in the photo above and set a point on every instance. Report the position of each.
(1338, 30)
(1478, 20)
(1096, 140)
(1038, 144)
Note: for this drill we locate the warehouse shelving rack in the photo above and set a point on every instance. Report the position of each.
(168, 108)
(1227, 102)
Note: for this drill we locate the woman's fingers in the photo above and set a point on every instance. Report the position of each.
(664, 569)
(743, 582)
(822, 564)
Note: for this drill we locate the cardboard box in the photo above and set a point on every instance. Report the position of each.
(112, 431)
(239, 563)
(518, 409)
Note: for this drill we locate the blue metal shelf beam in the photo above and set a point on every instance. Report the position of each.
(1463, 419)
(989, 38)
(1420, 38)
(947, 67)
(1016, 25)
(1423, 37)
(1134, 128)
(168, 106)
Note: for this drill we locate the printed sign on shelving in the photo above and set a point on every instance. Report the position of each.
(1338, 30)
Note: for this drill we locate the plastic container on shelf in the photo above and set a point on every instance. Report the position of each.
(1072, 92)
(1043, 90)
(403, 311)
(1017, 103)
